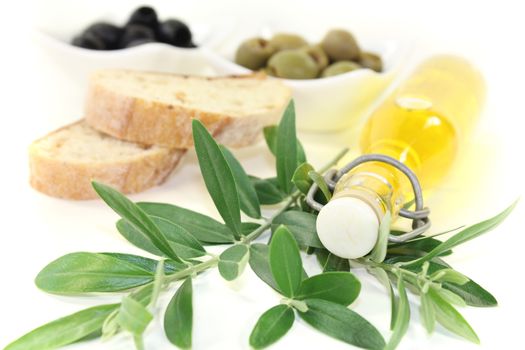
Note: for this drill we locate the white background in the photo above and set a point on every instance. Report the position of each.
(488, 175)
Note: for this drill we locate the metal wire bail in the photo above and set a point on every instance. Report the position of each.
(420, 223)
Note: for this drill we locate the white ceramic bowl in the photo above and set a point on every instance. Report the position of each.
(322, 104)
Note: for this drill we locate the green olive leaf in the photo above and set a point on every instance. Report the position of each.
(301, 225)
(449, 275)
(260, 264)
(338, 287)
(267, 190)
(218, 177)
(91, 272)
(427, 312)
(286, 149)
(65, 330)
(402, 316)
(451, 319)
(271, 326)
(465, 235)
(331, 262)
(248, 199)
(181, 241)
(301, 179)
(416, 247)
(270, 136)
(232, 261)
(202, 227)
(135, 216)
(148, 264)
(321, 183)
(178, 319)
(133, 316)
(342, 323)
(378, 254)
(451, 297)
(285, 261)
(249, 227)
(382, 276)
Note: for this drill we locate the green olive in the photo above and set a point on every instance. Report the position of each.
(254, 53)
(293, 64)
(340, 45)
(319, 56)
(371, 60)
(340, 68)
(285, 41)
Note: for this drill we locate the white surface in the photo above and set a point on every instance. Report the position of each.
(348, 227)
(37, 229)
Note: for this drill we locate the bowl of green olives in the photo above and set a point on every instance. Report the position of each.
(335, 80)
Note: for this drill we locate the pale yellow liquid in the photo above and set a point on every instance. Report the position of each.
(422, 124)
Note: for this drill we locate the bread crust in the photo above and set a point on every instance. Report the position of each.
(169, 125)
(72, 179)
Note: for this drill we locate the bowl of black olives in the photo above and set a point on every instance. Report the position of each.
(142, 27)
(141, 39)
(334, 80)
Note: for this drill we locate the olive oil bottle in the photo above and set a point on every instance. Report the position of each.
(422, 125)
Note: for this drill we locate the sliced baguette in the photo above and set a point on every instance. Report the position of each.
(64, 162)
(157, 108)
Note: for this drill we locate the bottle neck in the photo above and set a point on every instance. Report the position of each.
(375, 185)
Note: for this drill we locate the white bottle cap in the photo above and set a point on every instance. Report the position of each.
(348, 227)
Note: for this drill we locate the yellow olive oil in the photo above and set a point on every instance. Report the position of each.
(421, 124)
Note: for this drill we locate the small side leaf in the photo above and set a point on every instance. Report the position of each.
(133, 316)
(301, 225)
(450, 275)
(402, 317)
(202, 227)
(285, 261)
(451, 297)
(178, 319)
(248, 199)
(342, 323)
(232, 261)
(286, 149)
(331, 262)
(181, 241)
(136, 216)
(321, 183)
(270, 136)
(260, 264)
(427, 312)
(451, 319)
(65, 330)
(378, 254)
(218, 177)
(271, 326)
(267, 190)
(301, 179)
(338, 287)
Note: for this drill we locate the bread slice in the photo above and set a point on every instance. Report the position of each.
(64, 162)
(157, 108)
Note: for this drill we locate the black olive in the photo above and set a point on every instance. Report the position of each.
(145, 16)
(89, 41)
(175, 32)
(136, 32)
(108, 33)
